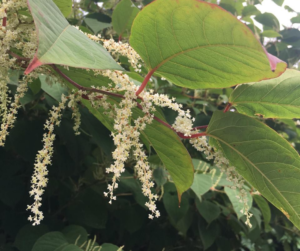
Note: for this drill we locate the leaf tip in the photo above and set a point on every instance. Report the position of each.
(179, 198)
(273, 60)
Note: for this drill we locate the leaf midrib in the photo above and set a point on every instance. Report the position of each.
(246, 159)
(68, 25)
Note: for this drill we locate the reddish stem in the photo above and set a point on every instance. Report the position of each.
(19, 57)
(120, 37)
(181, 135)
(4, 20)
(143, 85)
(84, 88)
(200, 127)
(227, 107)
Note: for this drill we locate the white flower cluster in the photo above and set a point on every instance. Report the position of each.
(20, 35)
(124, 49)
(74, 98)
(39, 178)
(127, 128)
(221, 162)
(9, 116)
(126, 137)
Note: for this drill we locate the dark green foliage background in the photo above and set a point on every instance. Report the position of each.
(77, 178)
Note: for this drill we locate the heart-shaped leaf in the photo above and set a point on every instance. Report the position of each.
(61, 43)
(266, 160)
(199, 45)
(274, 98)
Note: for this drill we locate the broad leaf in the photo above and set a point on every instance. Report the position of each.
(199, 45)
(270, 33)
(204, 182)
(236, 204)
(75, 234)
(266, 160)
(97, 21)
(175, 209)
(85, 78)
(53, 89)
(274, 98)
(65, 6)
(28, 235)
(123, 16)
(173, 154)
(269, 20)
(50, 241)
(209, 210)
(61, 43)
(264, 208)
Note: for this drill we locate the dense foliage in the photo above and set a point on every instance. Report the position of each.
(239, 192)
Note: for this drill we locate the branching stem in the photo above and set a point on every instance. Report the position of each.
(147, 78)
(142, 87)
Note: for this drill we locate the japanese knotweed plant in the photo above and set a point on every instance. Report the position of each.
(190, 43)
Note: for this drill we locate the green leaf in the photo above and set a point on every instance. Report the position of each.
(270, 33)
(250, 10)
(175, 209)
(237, 205)
(110, 247)
(35, 86)
(50, 242)
(97, 22)
(75, 234)
(274, 98)
(266, 160)
(53, 89)
(61, 43)
(296, 19)
(28, 235)
(65, 6)
(196, 44)
(123, 16)
(278, 2)
(160, 176)
(204, 181)
(264, 208)
(99, 114)
(84, 78)
(208, 210)
(208, 234)
(269, 20)
(70, 247)
(173, 154)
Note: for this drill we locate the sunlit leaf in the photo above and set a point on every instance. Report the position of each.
(61, 43)
(180, 41)
(274, 98)
(266, 160)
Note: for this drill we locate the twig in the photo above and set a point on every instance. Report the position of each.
(147, 78)
(4, 20)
